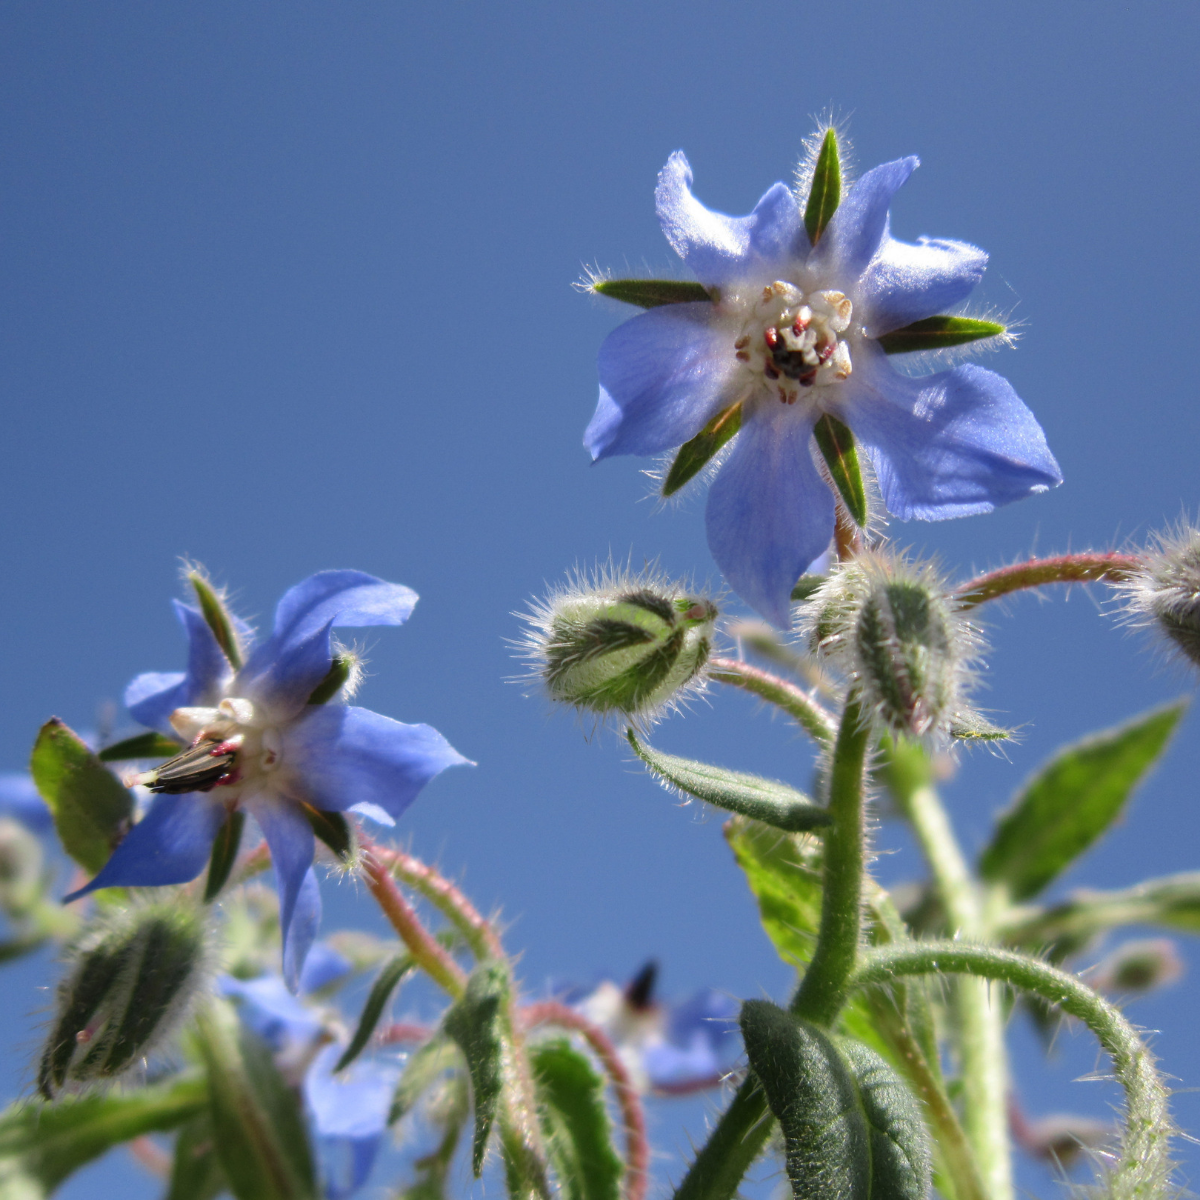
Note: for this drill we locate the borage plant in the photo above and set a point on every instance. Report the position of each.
(196, 1002)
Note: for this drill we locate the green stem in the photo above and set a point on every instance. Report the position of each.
(738, 1139)
(1063, 568)
(797, 703)
(1143, 1167)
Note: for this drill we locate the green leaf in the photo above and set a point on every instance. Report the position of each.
(224, 854)
(1072, 800)
(425, 1066)
(475, 1023)
(837, 447)
(256, 1117)
(48, 1142)
(217, 617)
(196, 1171)
(578, 1132)
(695, 455)
(937, 333)
(826, 192)
(764, 800)
(333, 829)
(381, 992)
(92, 811)
(806, 585)
(651, 293)
(142, 745)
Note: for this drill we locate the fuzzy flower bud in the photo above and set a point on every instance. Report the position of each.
(889, 628)
(1136, 967)
(1166, 592)
(621, 644)
(133, 977)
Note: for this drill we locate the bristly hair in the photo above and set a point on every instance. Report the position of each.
(802, 177)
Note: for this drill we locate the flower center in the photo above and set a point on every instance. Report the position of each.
(792, 339)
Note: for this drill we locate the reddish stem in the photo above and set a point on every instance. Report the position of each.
(637, 1147)
(403, 1032)
(796, 702)
(1064, 568)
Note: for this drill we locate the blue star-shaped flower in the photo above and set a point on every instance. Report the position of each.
(792, 334)
(269, 751)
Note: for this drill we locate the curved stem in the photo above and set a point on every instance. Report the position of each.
(734, 1144)
(1144, 1167)
(1063, 568)
(797, 703)
(637, 1146)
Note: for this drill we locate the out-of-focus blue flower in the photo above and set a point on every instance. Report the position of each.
(669, 1048)
(270, 751)
(792, 335)
(19, 799)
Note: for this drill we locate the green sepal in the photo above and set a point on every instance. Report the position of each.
(92, 811)
(764, 800)
(257, 1121)
(385, 984)
(141, 745)
(45, 1143)
(826, 192)
(806, 586)
(195, 1169)
(339, 672)
(217, 618)
(652, 293)
(333, 829)
(1072, 800)
(428, 1063)
(575, 1122)
(224, 854)
(971, 727)
(475, 1024)
(696, 454)
(938, 333)
(837, 447)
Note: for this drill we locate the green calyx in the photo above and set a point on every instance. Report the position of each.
(826, 192)
(939, 333)
(651, 293)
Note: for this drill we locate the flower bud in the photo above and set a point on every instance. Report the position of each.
(132, 979)
(1137, 966)
(621, 644)
(1165, 593)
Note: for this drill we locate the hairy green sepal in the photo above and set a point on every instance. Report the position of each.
(385, 984)
(695, 455)
(141, 745)
(938, 333)
(651, 293)
(217, 618)
(826, 192)
(840, 453)
(224, 854)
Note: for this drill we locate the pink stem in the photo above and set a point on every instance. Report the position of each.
(403, 1032)
(1065, 568)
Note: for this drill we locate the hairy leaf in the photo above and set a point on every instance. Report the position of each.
(381, 992)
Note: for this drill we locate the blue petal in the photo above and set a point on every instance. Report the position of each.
(860, 224)
(720, 249)
(20, 800)
(346, 1163)
(170, 844)
(663, 374)
(710, 1013)
(281, 675)
(323, 966)
(267, 1007)
(337, 757)
(769, 512)
(907, 283)
(290, 839)
(693, 1064)
(947, 445)
(152, 698)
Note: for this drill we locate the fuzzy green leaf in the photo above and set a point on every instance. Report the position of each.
(578, 1131)
(764, 800)
(1072, 800)
(142, 745)
(838, 449)
(381, 992)
(695, 455)
(92, 811)
(651, 293)
(475, 1025)
(826, 191)
(425, 1066)
(48, 1142)
(938, 333)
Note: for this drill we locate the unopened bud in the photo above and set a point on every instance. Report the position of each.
(621, 644)
(1138, 966)
(131, 982)
(1165, 593)
(888, 626)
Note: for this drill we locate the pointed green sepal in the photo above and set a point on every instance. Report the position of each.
(938, 333)
(333, 829)
(695, 455)
(92, 811)
(381, 992)
(217, 617)
(764, 800)
(651, 293)
(224, 854)
(425, 1066)
(837, 447)
(340, 671)
(806, 585)
(826, 192)
(971, 727)
(141, 745)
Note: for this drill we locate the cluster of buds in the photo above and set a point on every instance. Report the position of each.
(890, 629)
(1165, 593)
(621, 645)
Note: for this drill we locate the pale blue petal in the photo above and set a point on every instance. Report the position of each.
(281, 675)
(19, 799)
(267, 1007)
(337, 757)
(323, 966)
(290, 839)
(152, 698)
(170, 844)
(907, 283)
(947, 445)
(663, 374)
(720, 249)
(710, 1013)
(366, 809)
(860, 224)
(693, 1064)
(770, 513)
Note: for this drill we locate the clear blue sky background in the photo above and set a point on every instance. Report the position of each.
(289, 287)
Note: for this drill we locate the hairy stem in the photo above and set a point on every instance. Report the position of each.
(1064, 568)
(816, 720)
(1143, 1167)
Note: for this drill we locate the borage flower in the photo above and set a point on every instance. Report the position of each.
(261, 739)
(794, 331)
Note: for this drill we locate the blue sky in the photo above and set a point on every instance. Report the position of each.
(289, 287)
